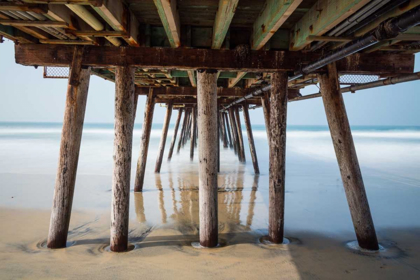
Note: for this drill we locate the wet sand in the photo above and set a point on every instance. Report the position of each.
(164, 221)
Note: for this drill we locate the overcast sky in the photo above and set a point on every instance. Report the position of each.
(27, 97)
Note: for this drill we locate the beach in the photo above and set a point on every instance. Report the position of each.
(164, 217)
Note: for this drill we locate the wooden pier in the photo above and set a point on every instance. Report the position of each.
(208, 61)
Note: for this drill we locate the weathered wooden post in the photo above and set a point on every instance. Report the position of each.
(207, 130)
(124, 108)
(277, 148)
(228, 129)
(222, 125)
(184, 127)
(250, 139)
(265, 102)
(234, 132)
(178, 120)
(192, 143)
(71, 137)
(163, 138)
(240, 137)
(144, 141)
(347, 159)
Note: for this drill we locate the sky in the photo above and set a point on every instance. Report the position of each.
(27, 97)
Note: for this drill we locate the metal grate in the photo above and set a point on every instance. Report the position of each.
(357, 79)
(56, 72)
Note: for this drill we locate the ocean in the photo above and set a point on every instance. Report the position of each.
(164, 217)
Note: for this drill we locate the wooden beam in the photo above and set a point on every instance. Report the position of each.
(191, 77)
(17, 35)
(271, 18)
(163, 138)
(168, 14)
(7, 6)
(120, 18)
(45, 23)
(191, 59)
(224, 15)
(66, 42)
(322, 17)
(92, 33)
(173, 141)
(312, 38)
(63, 2)
(232, 82)
(252, 149)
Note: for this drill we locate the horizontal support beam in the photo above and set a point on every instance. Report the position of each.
(45, 23)
(93, 33)
(223, 60)
(78, 2)
(66, 42)
(169, 92)
(192, 100)
(39, 9)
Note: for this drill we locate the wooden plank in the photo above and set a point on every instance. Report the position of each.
(168, 14)
(163, 138)
(45, 23)
(120, 18)
(177, 92)
(225, 13)
(232, 82)
(322, 17)
(76, 67)
(7, 6)
(93, 33)
(192, 59)
(66, 42)
(191, 77)
(271, 18)
(63, 2)
(17, 35)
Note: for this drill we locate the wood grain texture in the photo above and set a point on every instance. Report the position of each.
(223, 60)
(265, 102)
(178, 120)
(71, 137)
(241, 149)
(347, 159)
(207, 170)
(163, 138)
(123, 142)
(144, 142)
(277, 151)
(226, 120)
(252, 149)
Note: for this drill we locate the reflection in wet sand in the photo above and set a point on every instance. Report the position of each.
(183, 215)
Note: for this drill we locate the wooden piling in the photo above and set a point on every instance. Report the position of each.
(240, 137)
(277, 150)
(184, 126)
(71, 137)
(250, 139)
(234, 131)
(265, 102)
(225, 117)
(207, 130)
(222, 125)
(124, 108)
(144, 141)
(163, 138)
(193, 129)
(178, 120)
(347, 159)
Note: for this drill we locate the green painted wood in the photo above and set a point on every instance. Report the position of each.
(322, 17)
(170, 20)
(273, 15)
(224, 16)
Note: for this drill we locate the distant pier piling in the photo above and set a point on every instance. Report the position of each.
(144, 141)
(163, 138)
(250, 139)
(178, 120)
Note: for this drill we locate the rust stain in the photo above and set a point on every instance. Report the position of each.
(263, 28)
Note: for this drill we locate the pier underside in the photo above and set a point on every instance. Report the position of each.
(210, 61)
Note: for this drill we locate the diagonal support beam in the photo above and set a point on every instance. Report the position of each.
(224, 16)
(274, 14)
(170, 19)
(322, 17)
